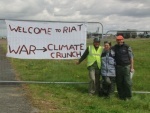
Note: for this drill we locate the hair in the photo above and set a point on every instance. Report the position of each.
(96, 40)
(107, 42)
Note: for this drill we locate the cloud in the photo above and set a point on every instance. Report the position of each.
(114, 14)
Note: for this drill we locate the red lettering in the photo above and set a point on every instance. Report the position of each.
(58, 54)
(81, 46)
(73, 29)
(65, 29)
(29, 30)
(37, 30)
(11, 51)
(52, 55)
(80, 27)
(12, 29)
(32, 48)
(55, 47)
(49, 31)
(71, 47)
(24, 30)
(19, 29)
(23, 49)
(63, 46)
(48, 47)
(69, 29)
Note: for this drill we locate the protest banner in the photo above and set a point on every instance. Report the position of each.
(45, 40)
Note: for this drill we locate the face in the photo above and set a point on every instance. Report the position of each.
(120, 42)
(106, 46)
(96, 44)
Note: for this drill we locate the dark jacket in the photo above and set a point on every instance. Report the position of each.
(122, 56)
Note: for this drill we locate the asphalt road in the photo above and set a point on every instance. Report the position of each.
(12, 96)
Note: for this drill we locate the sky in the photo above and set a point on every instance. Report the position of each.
(112, 14)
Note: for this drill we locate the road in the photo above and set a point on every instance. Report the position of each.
(13, 98)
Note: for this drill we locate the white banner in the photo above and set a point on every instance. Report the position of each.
(45, 40)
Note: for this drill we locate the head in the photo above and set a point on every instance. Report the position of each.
(96, 42)
(107, 45)
(120, 40)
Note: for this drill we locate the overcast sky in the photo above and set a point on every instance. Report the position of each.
(113, 14)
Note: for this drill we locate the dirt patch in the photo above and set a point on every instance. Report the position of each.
(3, 41)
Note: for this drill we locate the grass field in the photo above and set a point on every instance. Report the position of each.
(74, 98)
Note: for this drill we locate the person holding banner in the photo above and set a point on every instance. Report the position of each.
(93, 53)
(124, 65)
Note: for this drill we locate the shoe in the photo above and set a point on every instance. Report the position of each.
(128, 98)
(107, 97)
(91, 94)
(122, 98)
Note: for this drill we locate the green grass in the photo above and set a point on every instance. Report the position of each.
(74, 98)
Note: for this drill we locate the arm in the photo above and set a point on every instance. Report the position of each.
(132, 66)
(131, 59)
(85, 54)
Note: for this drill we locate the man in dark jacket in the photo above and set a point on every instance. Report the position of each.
(124, 65)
